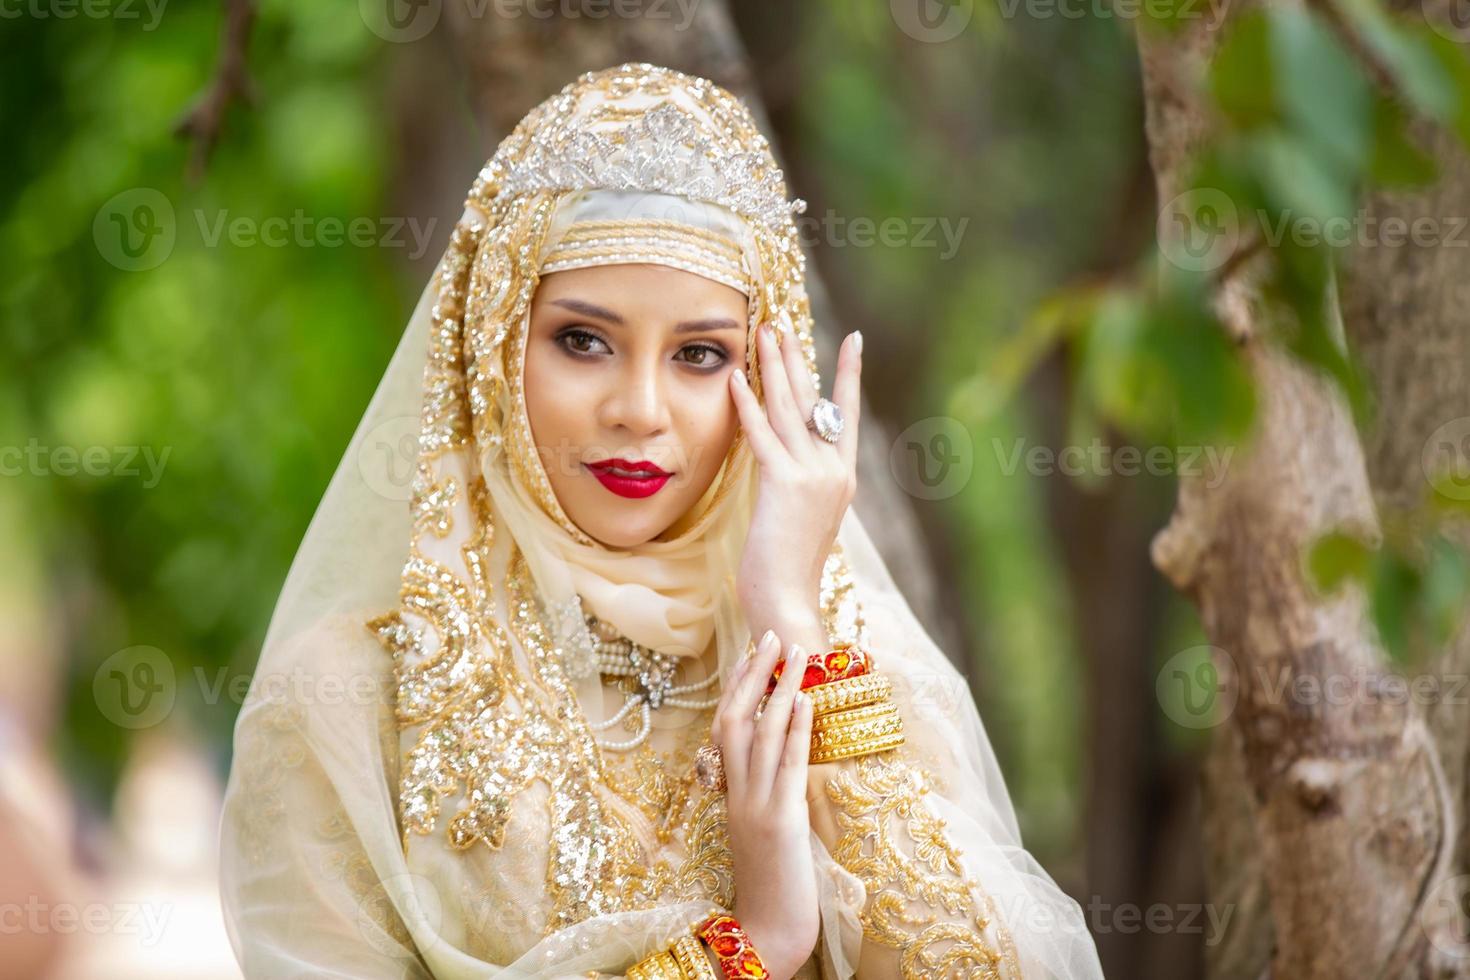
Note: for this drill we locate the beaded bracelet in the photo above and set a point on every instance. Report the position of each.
(732, 947)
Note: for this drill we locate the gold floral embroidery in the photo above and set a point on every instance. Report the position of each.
(921, 901)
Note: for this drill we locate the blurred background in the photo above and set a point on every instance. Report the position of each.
(214, 222)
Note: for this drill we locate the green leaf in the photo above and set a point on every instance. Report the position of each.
(1407, 54)
(1335, 558)
(1241, 77)
(1396, 161)
(1446, 589)
(1395, 583)
(1300, 180)
(1325, 97)
(1456, 64)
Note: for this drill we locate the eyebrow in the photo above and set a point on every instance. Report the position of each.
(687, 326)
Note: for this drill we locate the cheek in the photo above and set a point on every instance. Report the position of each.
(712, 428)
(553, 418)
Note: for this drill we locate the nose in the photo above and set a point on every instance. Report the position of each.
(636, 402)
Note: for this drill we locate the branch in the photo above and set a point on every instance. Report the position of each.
(204, 122)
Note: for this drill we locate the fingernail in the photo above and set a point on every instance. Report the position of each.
(740, 375)
(767, 638)
(857, 341)
(802, 698)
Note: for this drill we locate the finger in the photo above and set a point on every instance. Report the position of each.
(753, 684)
(770, 731)
(797, 374)
(847, 393)
(791, 778)
(736, 672)
(780, 402)
(737, 727)
(764, 442)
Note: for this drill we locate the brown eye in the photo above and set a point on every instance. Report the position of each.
(578, 341)
(709, 355)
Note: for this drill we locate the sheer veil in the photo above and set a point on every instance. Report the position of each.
(414, 791)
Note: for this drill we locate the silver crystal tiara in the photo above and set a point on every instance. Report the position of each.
(663, 151)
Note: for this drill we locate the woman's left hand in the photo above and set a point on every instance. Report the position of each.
(804, 488)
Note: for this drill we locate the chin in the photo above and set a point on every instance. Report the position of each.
(621, 536)
(623, 532)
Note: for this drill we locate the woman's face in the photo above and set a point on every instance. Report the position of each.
(632, 362)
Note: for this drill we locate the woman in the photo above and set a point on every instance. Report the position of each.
(628, 507)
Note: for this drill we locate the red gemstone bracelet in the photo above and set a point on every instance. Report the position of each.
(842, 661)
(732, 947)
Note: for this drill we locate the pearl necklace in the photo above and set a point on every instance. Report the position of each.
(618, 656)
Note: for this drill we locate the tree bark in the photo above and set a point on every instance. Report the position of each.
(1348, 798)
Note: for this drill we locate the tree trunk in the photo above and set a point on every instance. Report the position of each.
(1353, 802)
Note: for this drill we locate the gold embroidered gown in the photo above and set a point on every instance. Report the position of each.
(416, 791)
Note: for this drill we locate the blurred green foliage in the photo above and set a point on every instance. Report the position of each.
(240, 366)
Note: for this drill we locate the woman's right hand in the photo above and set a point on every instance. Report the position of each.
(768, 822)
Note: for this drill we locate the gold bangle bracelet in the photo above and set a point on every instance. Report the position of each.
(688, 951)
(856, 731)
(880, 715)
(853, 749)
(850, 692)
(659, 966)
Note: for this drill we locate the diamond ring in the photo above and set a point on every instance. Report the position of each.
(826, 419)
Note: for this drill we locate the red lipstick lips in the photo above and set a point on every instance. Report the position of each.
(629, 479)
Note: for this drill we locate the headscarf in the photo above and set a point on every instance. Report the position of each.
(422, 796)
(662, 594)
